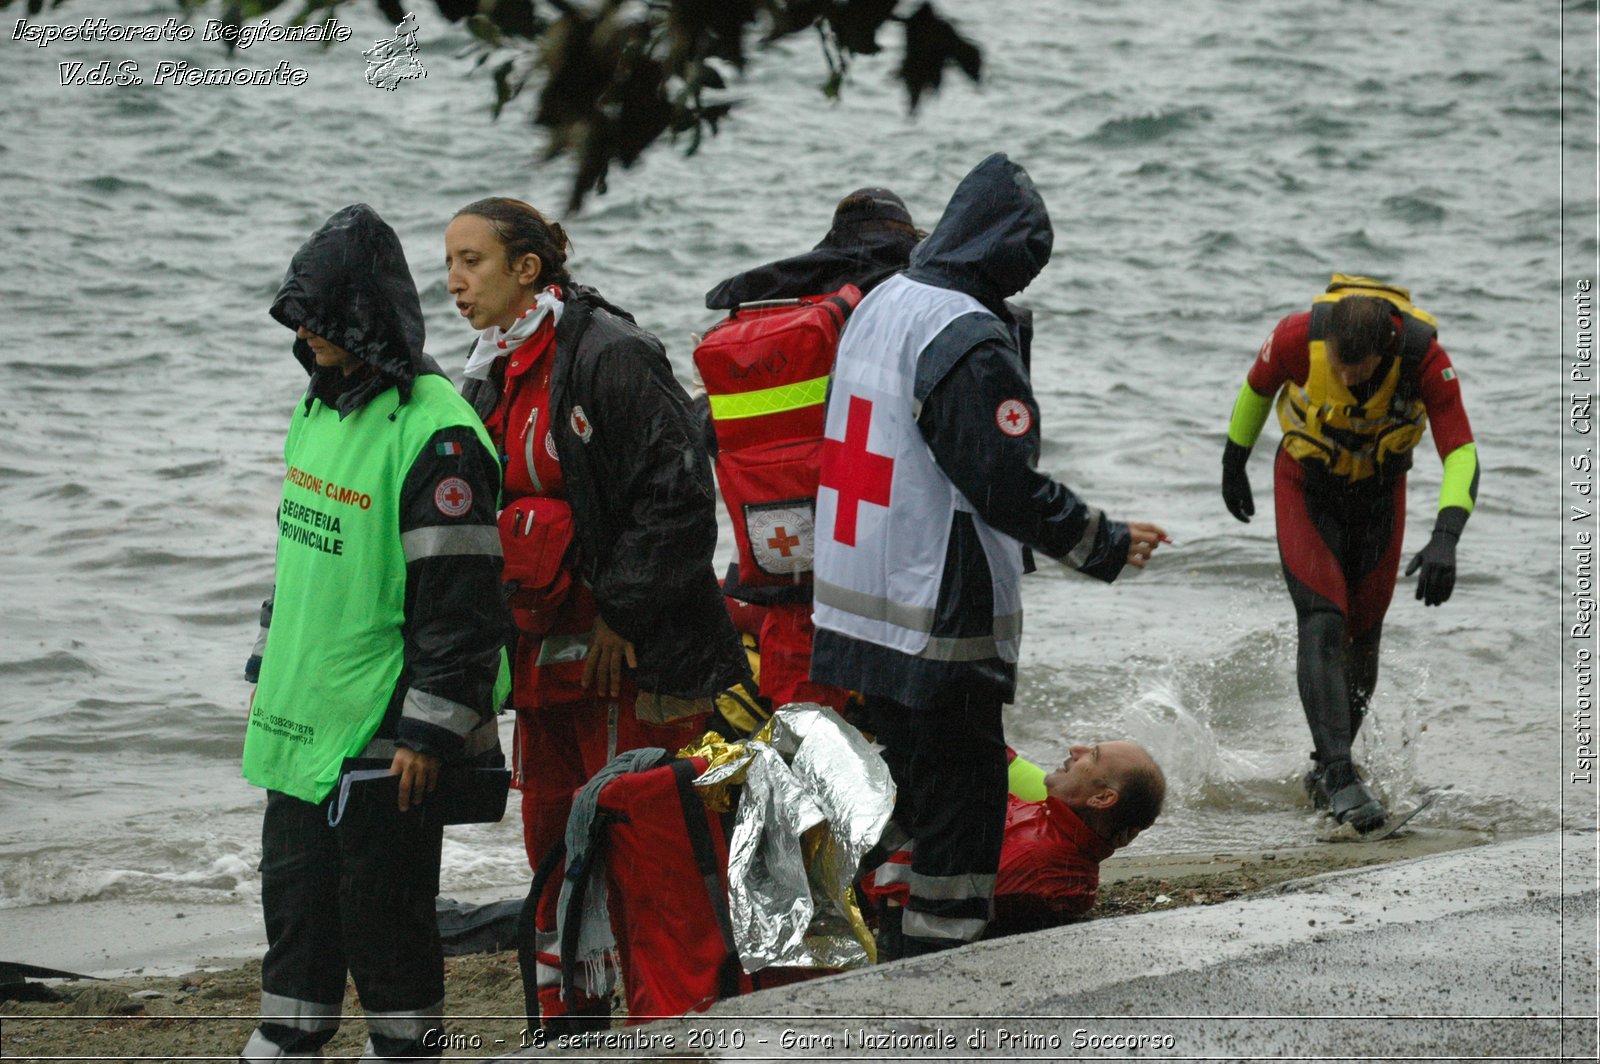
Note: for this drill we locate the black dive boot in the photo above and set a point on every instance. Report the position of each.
(1349, 800)
(1314, 783)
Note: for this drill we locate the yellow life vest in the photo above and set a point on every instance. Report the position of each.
(1322, 420)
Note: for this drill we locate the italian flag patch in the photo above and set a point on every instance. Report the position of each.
(1448, 374)
(455, 448)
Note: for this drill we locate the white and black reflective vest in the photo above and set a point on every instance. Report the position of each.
(884, 507)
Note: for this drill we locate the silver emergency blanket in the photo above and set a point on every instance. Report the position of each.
(817, 770)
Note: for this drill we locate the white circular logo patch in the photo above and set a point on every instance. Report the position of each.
(550, 446)
(1013, 417)
(582, 427)
(453, 496)
(782, 536)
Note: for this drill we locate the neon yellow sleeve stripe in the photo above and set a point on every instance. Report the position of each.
(779, 400)
(1250, 412)
(1026, 780)
(1460, 477)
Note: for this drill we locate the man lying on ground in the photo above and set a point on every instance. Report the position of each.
(1059, 827)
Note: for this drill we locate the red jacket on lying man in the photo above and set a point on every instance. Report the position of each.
(1059, 827)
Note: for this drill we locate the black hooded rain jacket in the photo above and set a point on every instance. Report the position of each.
(349, 284)
(991, 242)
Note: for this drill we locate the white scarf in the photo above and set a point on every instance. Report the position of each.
(494, 341)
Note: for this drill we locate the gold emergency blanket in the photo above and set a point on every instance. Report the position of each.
(816, 799)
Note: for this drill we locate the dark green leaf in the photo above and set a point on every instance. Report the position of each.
(931, 44)
(855, 23)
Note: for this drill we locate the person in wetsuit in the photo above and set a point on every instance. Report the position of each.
(1357, 379)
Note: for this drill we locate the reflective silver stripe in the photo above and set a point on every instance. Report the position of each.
(920, 619)
(262, 1048)
(301, 1015)
(1009, 626)
(1085, 545)
(974, 647)
(440, 712)
(967, 648)
(556, 649)
(892, 872)
(916, 618)
(439, 540)
(407, 1025)
(952, 888)
(546, 976)
(547, 963)
(547, 958)
(926, 925)
(261, 643)
(485, 736)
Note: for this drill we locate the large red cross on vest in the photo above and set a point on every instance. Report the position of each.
(854, 472)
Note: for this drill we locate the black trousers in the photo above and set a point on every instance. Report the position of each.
(356, 898)
(948, 760)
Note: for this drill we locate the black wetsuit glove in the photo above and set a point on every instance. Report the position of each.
(1236, 482)
(1438, 559)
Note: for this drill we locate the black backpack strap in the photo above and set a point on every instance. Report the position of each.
(705, 859)
(580, 876)
(844, 307)
(527, 928)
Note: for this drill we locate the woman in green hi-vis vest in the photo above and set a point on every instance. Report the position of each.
(380, 655)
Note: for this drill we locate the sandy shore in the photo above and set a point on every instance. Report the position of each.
(207, 1013)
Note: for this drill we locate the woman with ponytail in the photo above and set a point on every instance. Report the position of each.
(608, 526)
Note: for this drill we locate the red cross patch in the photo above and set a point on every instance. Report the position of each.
(1013, 417)
(453, 496)
(581, 425)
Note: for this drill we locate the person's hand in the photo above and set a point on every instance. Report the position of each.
(1236, 494)
(419, 775)
(603, 667)
(1143, 538)
(1438, 564)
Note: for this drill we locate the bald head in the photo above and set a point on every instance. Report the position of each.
(1115, 787)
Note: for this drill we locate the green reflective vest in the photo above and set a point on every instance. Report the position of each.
(335, 651)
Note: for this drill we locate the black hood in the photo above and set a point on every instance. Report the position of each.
(993, 238)
(859, 249)
(817, 272)
(350, 285)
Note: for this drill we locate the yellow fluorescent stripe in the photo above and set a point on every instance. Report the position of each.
(1250, 411)
(777, 400)
(1459, 467)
